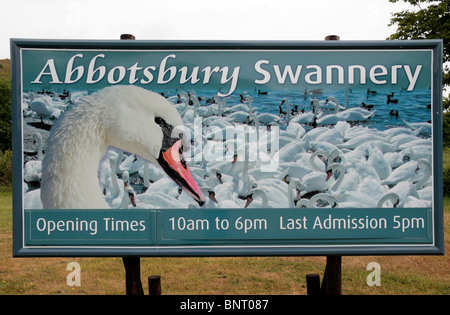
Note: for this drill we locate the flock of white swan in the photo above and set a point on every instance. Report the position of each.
(336, 164)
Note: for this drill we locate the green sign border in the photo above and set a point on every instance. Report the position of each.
(222, 244)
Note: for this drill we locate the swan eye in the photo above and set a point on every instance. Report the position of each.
(159, 120)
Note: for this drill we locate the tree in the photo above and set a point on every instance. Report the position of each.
(431, 22)
(5, 116)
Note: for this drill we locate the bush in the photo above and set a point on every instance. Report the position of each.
(447, 181)
(6, 168)
(446, 129)
(5, 115)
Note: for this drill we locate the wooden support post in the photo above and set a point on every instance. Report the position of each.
(132, 264)
(154, 285)
(331, 283)
(127, 36)
(332, 37)
(133, 275)
(313, 284)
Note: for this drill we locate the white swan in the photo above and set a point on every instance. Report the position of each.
(132, 164)
(128, 198)
(264, 202)
(336, 106)
(267, 118)
(127, 117)
(44, 109)
(238, 117)
(404, 189)
(150, 173)
(205, 111)
(312, 203)
(294, 184)
(37, 139)
(407, 172)
(32, 199)
(378, 162)
(393, 199)
(331, 103)
(306, 118)
(33, 169)
(423, 127)
(355, 199)
(352, 114)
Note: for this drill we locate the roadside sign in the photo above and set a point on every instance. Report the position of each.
(167, 148)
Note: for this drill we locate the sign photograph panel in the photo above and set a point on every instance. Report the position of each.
(227, 148)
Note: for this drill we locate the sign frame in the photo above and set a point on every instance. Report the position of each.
(435, 247)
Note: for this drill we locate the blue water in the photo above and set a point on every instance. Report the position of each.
(411, 106)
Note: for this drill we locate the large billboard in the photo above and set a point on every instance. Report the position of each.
(227, 148)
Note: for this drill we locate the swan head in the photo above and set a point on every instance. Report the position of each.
(146, 124)
(218, 174)
(37, 138)
(130, 194)
(211, 194)
(392, 197)
(254, 193)
(126, 178)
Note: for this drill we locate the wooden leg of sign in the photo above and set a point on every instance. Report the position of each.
(132, 264)
(154, 285)
(133, 275)
(331, 283)
(313, 284)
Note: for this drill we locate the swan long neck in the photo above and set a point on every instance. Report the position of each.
(336, 109)
(293, 184)
(115, 185)
(312, 158)
(264, 199)
(70, 167)
(40, 155)
(393, 197)
(146, 176)
(426, 165)
(338, 182)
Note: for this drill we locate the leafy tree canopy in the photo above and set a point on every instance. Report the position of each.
(5, 115)
(430, 22)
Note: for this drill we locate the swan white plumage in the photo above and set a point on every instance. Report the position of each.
(44, 109)
(33, 169)
(128, 198)
(349, 114)
(131, 164)
(37, 139)
(404, 189)
(306, 118)
(355, 199)
(423, 127)
(393, 199)
(407, 171)
(32, 200)
(265, 202)
(378, 162)
(312, 203)
(127, 117)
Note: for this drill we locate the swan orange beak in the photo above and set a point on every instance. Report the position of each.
(173, 163)
(212, 196)
(132, 200)
(249, 201)
(329, 174)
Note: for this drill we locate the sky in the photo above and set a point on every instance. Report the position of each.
(196, 19)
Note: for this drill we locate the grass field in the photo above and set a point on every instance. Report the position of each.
(5, 69)
(402, 275)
